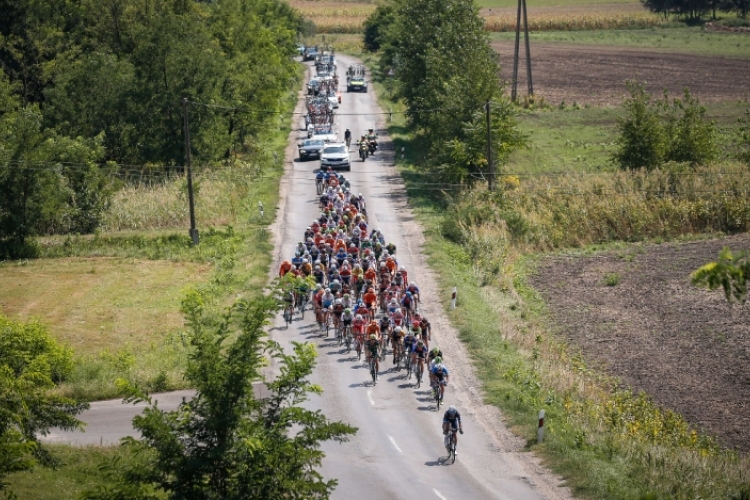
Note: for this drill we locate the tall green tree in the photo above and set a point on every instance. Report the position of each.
(641, 141)
(445, 68)
(226, 442)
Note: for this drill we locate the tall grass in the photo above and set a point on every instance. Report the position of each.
(574, 22)
(547, 212)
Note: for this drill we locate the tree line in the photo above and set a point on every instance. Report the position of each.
(696, 9)
(87, 82)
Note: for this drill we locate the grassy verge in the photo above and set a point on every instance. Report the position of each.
(683, 40)
(115, 296)
(76, 471)
(605, 441)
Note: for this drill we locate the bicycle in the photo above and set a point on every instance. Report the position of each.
(436, 392)
(327, 322)
(348, 339)
(420, 372)
(451, 446)
(398, 348)
(358, 346)
(303, 298)
(319, 187)
(373, 371)
(288, 314)
(408, 366)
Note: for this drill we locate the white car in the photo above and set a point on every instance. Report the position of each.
(334, 100)
(326, 134)
(335, 156)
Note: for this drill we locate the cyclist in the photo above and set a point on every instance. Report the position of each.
(435, 353)
(358, 326)
(451, 420)
(348, 137)
(327, 299)
(418, 355)
(441, 376)
(373, 350)
(285, 267)
(397, 341)
(347, 318)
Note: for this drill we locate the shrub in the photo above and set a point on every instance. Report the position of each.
(641, 140)
(25, 343)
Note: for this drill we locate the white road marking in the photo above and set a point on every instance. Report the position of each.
(396, 446)
(369, 396)
(441, 497)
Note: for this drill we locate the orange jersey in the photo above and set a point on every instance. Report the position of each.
(391, 265)
(373, 328)
(370, 298)
(370, 274)
(285, 268)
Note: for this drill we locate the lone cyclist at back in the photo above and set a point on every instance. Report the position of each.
(451, 420)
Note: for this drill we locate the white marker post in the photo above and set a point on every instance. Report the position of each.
(540, 430)
(260, 206)
(453, 298)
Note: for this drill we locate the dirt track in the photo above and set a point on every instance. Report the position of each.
(684, 346)
(596, 75)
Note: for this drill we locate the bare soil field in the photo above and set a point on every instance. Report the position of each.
(597, 75)
(684, 346)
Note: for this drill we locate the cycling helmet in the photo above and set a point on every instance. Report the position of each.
(393, 301)
(420, 342)
(408, 294)
(346, 295)
(398, 329)
(452, 410)
(347, 310)
(373, 336)
(438, 360)
(359, 317)
(318, 286)
(413, 284)
(304, 261)
(328, 290)
(338, 301)
(402, 269)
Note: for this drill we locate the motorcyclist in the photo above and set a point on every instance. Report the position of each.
(372, 138)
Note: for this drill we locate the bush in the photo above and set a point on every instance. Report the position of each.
(652, 133)
(24, 343)
(641, 141)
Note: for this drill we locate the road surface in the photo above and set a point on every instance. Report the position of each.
(397, 452)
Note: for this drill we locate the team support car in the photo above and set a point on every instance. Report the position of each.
(356, 84)
(310, 148)
(335, 156)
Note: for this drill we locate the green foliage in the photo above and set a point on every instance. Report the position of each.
(376, 25)
(641, 142)
(612, 279)
(121, 68)
(226, 442)
(444, 67)
(744, 138)
(464, 159)
(31, 364)
(652, 133)
(690, 137)
(731, 272)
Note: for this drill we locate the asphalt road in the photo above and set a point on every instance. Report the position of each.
(397, 452)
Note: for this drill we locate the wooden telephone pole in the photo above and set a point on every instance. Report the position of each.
(514, 91)
(193, 229)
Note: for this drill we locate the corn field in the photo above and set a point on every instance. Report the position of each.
(348, 17)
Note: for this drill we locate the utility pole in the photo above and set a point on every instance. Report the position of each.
(490, 164)
(514, 91)
(193, 230)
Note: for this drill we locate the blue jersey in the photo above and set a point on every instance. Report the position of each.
(435, 370)
(454, 419)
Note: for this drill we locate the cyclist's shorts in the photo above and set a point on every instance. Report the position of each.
(327, 303)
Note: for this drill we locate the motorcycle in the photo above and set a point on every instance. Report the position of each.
(363, 150)
(372, 146)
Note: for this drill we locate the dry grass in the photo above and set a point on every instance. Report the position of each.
(84, 303)
(348, 17)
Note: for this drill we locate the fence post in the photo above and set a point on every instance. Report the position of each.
(540, 430)
(453, 297)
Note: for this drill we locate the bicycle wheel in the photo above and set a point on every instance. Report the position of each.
(419, 377)
(373, 372)
(452, 455)
(408, 367)
(437, 397)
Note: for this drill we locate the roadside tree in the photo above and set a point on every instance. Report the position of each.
(641, 142)
(31, 364)
(225, 442)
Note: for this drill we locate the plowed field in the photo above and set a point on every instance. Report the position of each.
(683, 345)
(596, 75)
